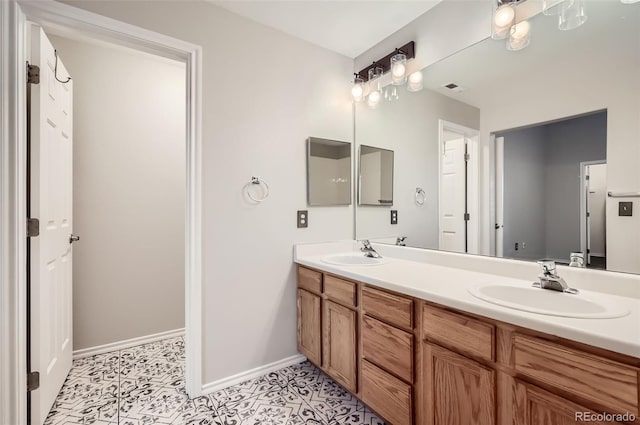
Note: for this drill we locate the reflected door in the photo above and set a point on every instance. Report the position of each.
(453, 197)
(596, 214)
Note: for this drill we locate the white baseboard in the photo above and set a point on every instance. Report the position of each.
(127, 343)
(251, 374)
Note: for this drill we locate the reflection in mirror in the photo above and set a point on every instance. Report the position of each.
(547, 132)
(376, 176)
(328, 172)
(548, 210)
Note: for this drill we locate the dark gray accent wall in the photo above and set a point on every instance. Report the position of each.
(542, 185)
(568, 144)
(524, 187)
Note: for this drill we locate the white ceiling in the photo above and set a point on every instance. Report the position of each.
(344, 26)
(611, 31)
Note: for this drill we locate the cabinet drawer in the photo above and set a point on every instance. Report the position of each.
(341, 291)
(386, 394)
(388, 347)
(388, 307)
(461, 333)
(605, 382)
(310, 280)
(533, 405)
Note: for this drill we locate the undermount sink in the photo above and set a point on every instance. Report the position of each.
(547, 302)
(352, 259)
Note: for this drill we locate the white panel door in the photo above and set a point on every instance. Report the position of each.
(51, 202)
(453, 196)
(596, 210)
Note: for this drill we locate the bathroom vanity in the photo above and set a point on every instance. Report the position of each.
(419, 355)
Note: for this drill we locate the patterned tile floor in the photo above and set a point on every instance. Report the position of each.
(145, 385)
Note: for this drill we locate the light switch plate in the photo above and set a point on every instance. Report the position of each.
(303, 219)
(625, 209)
(394, 216)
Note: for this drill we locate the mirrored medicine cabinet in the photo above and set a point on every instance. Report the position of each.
(328, 172)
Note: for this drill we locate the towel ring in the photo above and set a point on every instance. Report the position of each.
(421, 196)
(258, 181)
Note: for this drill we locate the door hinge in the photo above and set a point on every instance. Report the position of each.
(467, 157)
(466, 217)
(33, 381)
(33, 74)
(33, 227)
(588, 214)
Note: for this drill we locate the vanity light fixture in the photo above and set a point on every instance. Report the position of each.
(571, 17)
(415, 81)
(571, 14)
(504, 17)
(554, 7)
(373, 100)
(398, 69)
(367, 83)
(375, 89)
(520, 36)
(357, 91)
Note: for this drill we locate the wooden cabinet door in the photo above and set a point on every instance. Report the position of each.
(534, 406)
(309, 329)
(340, 344)
(458, 391)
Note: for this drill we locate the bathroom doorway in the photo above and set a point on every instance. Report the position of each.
(593, 208)
(107, 182)
(18, 16)
(458, 188)
(543, 191)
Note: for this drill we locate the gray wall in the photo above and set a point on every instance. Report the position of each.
(129, 191)
(524, 193)
(542, 185)
(569, 143)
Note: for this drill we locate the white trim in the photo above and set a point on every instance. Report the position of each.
(223, 383)
(55, 15)
(498, 220)
(127, 343)
(583, 210)
(473, 180)
(13, 369)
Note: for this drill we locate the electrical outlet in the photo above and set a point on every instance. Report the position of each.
(394, 216)
(303, 219)
(524, 245)
(625, 209)
(516, 246)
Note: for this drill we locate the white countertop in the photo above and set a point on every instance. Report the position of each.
(448, 286)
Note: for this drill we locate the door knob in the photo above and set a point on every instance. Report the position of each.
(73, 238)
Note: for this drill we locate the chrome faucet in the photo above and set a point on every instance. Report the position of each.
(549, 279)
(368, 249)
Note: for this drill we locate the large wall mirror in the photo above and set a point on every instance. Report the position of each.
(530, 154)
(328, 172)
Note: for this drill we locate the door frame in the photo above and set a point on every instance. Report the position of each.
(583, 207)
(62, 17)
(498, 222)
(473, 180)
